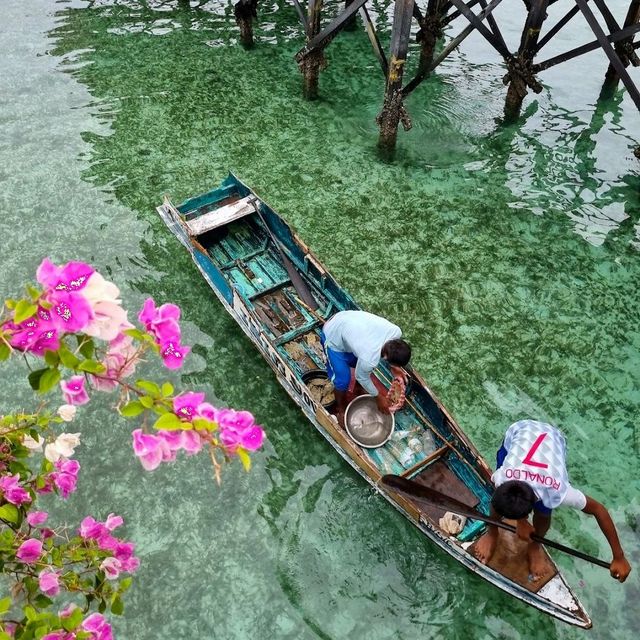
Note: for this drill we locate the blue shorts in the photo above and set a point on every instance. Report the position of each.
(339, 365)
(500, 456)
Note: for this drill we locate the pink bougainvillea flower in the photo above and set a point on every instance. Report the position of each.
(236, 420)
(161, 322)
(60, 635)
(173, 353)
(151, 449)
(46, 533)
(29, 551)
(191, 442)
(66, 476)
(207, 411)
(91, 528)
(113, 521)
(49, 583)
(73, 390)
(252, 438)
(72, 276)
(120, 362)
(185, 406)
(98, 627)
(111, 567)
(12, 491)
(34, 518)
(36, 334)
(70, 311)
(68, 610)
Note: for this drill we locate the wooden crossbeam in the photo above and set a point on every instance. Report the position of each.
(322, 39)
(611, 53)
(480, 27)
(586, 48)
(556, 28)
(423, 73)
(375, 41)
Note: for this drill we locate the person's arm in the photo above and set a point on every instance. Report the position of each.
(619, 567)
(363, 376)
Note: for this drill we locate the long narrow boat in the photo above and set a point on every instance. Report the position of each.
(249, 268)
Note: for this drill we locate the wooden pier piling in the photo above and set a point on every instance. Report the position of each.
(245, 11)
(392, 107)
(314, 62)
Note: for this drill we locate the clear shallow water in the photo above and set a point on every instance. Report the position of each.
(509, 255)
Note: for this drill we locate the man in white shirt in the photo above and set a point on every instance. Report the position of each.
(358, 340)
(531, 475)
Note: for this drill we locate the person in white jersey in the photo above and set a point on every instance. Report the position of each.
(358, 340)
(531, 475)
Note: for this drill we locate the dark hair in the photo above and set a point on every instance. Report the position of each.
(397, 352)
(514, 499)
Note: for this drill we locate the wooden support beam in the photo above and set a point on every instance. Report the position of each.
(430, 31)
(317, 40)
(586, 48)
(492, 39)
(301, 14)
(556, 28)
(453, 44)
(624, 49)
(314, 62)
(614, 59)
(352, 23)
(520, 76)
(375, 41)
(392, 108)
(245, 11)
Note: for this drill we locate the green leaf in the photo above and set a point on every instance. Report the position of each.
(34, 378)
(72, 621)
(5, 605)
(204, 425)
(168, 422)
(51, 358)
(5, 636)
(135, 333)
(87, 346)
(132, 409)
(150, 387)
(67, 358)
(167, 389)
(9, 513)
(5, 351)
(244, 458)
(117, 606)
(41, 631)
(24, 310)
(48, 380)
(33, 292)
(125, 584)
(42, 602)
(146, 402)
(30, 612)
(91, 366)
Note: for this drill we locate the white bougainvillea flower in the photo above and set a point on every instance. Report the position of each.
(31, 444)
(108, 314)
(63, 447)
(67, 412)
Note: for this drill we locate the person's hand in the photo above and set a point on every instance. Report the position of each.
(620, 568)
(399, 372)
(524, 529)
(340, 418)
(383, 404)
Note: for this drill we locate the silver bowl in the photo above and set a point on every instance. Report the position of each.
(365, 424)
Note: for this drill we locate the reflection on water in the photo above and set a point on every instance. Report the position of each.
(506, 253)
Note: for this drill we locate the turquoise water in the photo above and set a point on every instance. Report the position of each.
(508, 254)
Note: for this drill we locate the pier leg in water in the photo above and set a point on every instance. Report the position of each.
(520, 76)
(352, 25)
(315, 61)
(245, 11)
(430, 31)
(392, 109)
(625, 50)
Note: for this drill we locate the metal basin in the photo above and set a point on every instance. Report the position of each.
(365, 424)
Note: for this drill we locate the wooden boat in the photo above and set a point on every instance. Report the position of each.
(245, 263)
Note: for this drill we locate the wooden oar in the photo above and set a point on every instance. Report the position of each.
(296, 279)
(421, 492)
